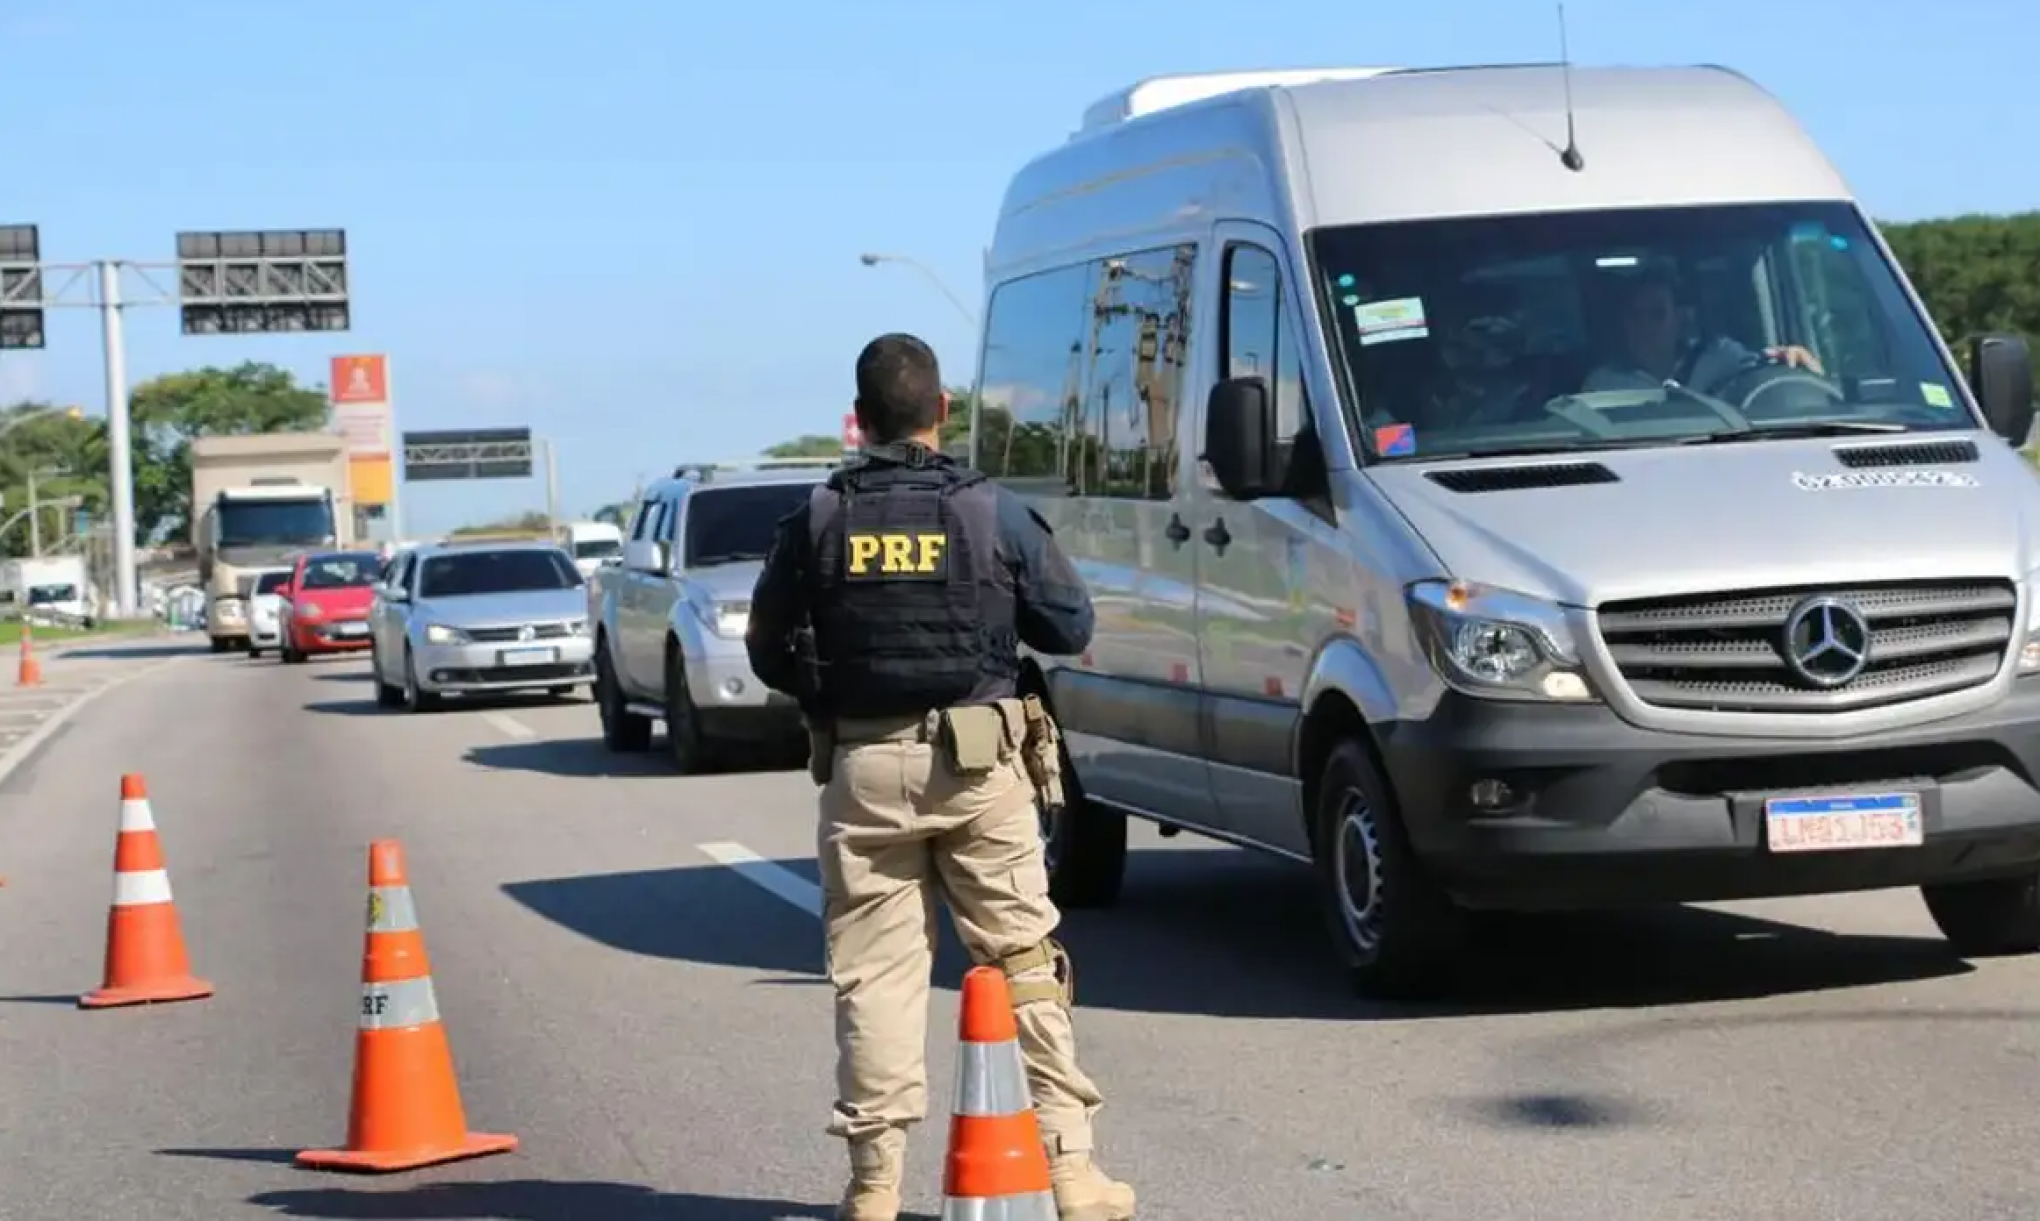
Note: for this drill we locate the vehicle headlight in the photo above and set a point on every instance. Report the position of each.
(1498, 643)
(309, 610)
(727, 619)
(578, 627)
(439, 633)
(228, 608)
(2029, 649)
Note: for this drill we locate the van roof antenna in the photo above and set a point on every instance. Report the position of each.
(1570, 156)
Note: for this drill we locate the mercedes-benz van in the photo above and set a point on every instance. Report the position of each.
(1504, 503)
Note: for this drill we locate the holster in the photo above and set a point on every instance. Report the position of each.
(821, 763)
(1041, 752)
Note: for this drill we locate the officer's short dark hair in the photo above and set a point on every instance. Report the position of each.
(899, 388)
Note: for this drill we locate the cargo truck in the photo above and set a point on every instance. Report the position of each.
(256, 501)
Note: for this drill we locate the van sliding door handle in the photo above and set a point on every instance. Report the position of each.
(1178, 532)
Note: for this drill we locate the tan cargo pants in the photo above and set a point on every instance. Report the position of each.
(898, 830)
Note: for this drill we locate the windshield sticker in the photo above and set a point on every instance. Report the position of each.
(1395, 440)
(1847, 480)
(1936, 395)
(1389, 321)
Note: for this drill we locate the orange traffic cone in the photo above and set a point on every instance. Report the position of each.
(996, 1164)
(30, 673)
(145, 958)
(406, 1111)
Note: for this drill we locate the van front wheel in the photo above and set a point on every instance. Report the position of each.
(1084, 845)
(1398, 932)
(1989, 918)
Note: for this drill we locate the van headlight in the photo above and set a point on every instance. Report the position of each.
(1498, 643)
(2029, 649)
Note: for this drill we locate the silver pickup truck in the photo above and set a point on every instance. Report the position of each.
(670, 619)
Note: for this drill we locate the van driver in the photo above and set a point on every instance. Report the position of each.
(1655, 352)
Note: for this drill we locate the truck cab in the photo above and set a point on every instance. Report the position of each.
(246, 531)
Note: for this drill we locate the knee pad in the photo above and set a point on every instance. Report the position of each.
(1050, 954)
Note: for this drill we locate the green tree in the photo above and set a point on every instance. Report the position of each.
(812, 445)
(1979, 274)
(170, 410)
(534, 522)
(67, 454)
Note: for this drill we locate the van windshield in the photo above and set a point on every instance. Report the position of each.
(1653, 326)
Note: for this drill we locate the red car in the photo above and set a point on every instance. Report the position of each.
(325, 604)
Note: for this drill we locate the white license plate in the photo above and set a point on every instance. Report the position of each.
(350, 629)
(1842, 823)
(526, 657)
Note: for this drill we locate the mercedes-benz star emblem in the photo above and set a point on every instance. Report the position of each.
(527, 632)
(1827, 641)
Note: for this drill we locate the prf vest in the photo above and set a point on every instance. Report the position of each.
(912, 609)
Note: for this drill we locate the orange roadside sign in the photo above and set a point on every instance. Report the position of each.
(361, 379)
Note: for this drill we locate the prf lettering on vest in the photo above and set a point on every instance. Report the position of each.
(888, 555)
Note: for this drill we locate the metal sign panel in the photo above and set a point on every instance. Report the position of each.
(277, 280)
(21, 288)
(467, 453)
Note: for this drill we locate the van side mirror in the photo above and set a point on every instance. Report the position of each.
(2001, 375)
(1239, 438)
(645, 555)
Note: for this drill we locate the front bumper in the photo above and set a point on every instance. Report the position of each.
(730, 702)
(504, 667)
(1607, 813)
(264, 635)
(330, 636)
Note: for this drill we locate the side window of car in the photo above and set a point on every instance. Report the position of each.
(647, 513)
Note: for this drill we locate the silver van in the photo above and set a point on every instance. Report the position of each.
(1497, 518)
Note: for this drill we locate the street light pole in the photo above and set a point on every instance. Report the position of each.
(873, 260)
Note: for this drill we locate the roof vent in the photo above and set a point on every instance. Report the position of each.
(1164, 92)
(1518, 478)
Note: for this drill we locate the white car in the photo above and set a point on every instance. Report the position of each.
(265, 612)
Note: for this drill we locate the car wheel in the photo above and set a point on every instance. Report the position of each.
(691, 750)
(386, 696)
(623, 731)
(416, 698)
(1398, 932)
(1988, 918)
(1084, 844)
(253, 652)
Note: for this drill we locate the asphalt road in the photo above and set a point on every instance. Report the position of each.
(651, 1021)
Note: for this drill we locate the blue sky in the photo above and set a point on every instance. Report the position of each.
(634, 225)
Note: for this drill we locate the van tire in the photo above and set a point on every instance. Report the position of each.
(1402, 938)
(1085, 846)
(1988, 918)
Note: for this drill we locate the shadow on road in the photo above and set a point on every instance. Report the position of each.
(133, 650)
(583, 757)
(349, 708)
(530, 1200)
(589, 757)
(1232, 934)
(344, 676)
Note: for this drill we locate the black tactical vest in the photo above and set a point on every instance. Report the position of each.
(912, 609)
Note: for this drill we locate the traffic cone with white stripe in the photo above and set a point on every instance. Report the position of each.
(29, 673)
(146, 961)
(406, 1110)
(997, 1166)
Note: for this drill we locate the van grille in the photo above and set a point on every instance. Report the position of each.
(1727, 652)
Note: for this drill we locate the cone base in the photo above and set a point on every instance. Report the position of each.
(388, 1161)
(189, 988)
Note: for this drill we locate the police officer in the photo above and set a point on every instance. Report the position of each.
(892, 607)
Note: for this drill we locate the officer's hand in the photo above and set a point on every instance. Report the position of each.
(1797, 357)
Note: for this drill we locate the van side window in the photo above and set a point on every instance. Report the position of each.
(1259, 338)
(640, 525)
(1083, 376)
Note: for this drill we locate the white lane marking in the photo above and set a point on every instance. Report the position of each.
(509, 726)
(776, 880)
(23, 747)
